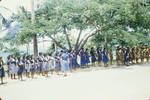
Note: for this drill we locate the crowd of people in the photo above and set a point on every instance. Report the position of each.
(65, 61)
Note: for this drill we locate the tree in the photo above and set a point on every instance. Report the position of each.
(64, 16)
(101, 19)
(129, 19)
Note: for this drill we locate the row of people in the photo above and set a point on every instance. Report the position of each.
(66, 61)
(132, 55)
(62, 61)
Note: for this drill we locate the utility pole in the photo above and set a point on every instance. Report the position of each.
(35, 44)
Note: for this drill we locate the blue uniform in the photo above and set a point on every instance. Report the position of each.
(105, 58)
(20, 67)
(70, 61)
(82, 58)
(74, 60)
(13, 68)
(2, 72)
(99, 55)
(126, 56)
(87, 56)
(93, 57)
(45, 64)
(64, 62)
(33, 66)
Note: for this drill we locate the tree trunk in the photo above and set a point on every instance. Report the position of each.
(77, 41)
(35, 44)
(27, 47)
(67, 37)
(57, 43)
(85, 39)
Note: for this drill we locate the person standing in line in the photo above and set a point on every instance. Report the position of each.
(33, 67)
(142, 54)
(87, 57)
(74, 60)
(57, 62)
(51, 63)
(27, 66)
(105, 58)
(99, 53)
(45, 65)
(93, 56)
(65, 63)
(70, 61)
(127, 56)
(82, 57)
(21, 66)
(147, 53)
(111, 57)
(8, 65)
(13, 68)
(2, 71)
(40, 60)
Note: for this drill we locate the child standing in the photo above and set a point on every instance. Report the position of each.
(20, 68)
(2, 72)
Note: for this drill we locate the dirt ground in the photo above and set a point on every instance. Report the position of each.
(115, 83)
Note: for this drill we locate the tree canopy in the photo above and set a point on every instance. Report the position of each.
(108, 22)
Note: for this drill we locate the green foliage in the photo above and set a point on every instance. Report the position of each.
(13, 51)
(127, 23)
(121, 22)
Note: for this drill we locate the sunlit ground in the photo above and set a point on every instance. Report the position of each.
(118, 83)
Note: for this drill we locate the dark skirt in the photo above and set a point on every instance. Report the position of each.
(93, 59)
(2, 72)
(82, 61)
(105, 59)
(20, 70)
(87, 60)
(99, 58)
(33, 69)
(75, 63)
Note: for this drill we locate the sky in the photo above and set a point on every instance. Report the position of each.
(12, 5)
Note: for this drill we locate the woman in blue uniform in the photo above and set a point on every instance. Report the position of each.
(27, 66)
(21, 67)
(13, 68)
(41, 67)
(99, 54)
(51, 63)
(105, 58)
(57, 64)
(87, 57)
(65, 63)
(70, 61)
(93, 56)
(74, 60)
(82, 57)
(45, 65)
(2, 72)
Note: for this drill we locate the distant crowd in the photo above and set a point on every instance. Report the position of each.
(66, 61)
